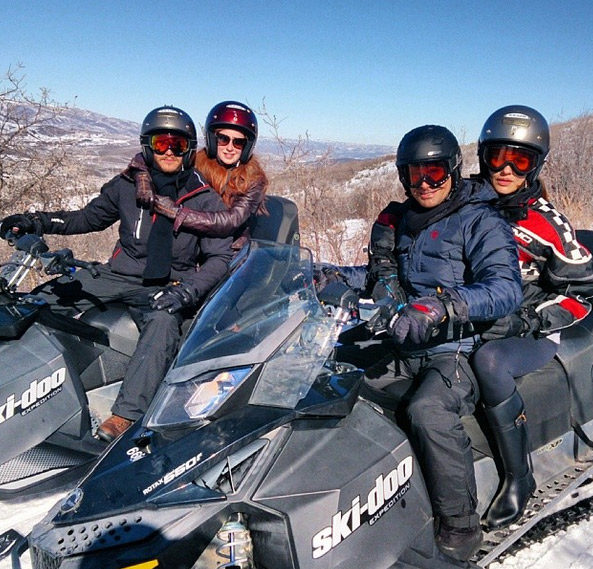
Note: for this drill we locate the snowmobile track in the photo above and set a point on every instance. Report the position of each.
(554, 506)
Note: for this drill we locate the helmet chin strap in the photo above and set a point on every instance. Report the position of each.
(228, 166)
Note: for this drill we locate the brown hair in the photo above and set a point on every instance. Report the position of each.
(235, 181)
(544, 189)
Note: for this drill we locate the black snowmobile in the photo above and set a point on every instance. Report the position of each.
(257, 451)
(60, 375)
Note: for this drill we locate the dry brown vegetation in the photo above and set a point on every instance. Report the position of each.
(43, 176)
(330, 195)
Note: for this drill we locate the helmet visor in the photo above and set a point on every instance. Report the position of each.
(160, 143)
(433, 173)
(521, 160)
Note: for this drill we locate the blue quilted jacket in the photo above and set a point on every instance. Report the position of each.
(470, 249)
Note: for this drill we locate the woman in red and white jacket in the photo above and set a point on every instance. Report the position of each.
(555, 268)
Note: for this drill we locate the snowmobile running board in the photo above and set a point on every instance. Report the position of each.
(558, 493)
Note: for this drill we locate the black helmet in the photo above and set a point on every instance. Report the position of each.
(516, 126)
(429, 143)
(172, 120)
(231, 114)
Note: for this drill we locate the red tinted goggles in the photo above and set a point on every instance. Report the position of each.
(521, 160)
(435, 174)
(160, 143)
(223, 140)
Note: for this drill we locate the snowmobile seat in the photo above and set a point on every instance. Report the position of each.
(117, 322)
(557, 397)
(281, 226)
(546, 395)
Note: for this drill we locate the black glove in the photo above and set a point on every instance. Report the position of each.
(388, 308)
(389, 287)
(417, 320)
(19, 224)
(516, 324)
(324, 274)
(173, 298)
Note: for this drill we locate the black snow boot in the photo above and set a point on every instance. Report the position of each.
(459, 538)
(507, 421)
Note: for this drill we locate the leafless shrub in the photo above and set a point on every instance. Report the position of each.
(37, 175)
(569, 169)
(26, 165)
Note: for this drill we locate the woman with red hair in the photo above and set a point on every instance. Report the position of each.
(228, 165)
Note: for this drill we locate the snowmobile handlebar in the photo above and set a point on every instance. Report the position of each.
(62, 262)
(30, 251)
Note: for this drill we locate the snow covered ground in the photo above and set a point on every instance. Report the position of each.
(571, 549)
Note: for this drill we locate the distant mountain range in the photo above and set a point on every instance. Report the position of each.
(95, 131)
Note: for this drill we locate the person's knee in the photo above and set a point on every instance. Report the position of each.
(160, 331)
(162, 319)
(486, 361)
(425, 411)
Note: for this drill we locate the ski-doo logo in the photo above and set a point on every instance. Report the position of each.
(38, 392)
(388, 490)
(170, 476)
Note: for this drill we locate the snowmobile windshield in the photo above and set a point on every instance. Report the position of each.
(266, 313)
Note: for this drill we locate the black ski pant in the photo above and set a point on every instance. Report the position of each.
(498, 362)
(160, 332)
(436, 390)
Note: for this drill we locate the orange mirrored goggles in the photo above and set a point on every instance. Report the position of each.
(160, 143)
(434, 174)
(521, 160)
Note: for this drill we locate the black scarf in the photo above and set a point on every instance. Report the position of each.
(418, 217)
(514, 206)
(159, 249)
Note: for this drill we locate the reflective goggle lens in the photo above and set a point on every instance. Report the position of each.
(223, 140)
(521, 160)
(433, 173)
(160, 143)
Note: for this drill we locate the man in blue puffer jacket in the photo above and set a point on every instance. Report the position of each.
(453, 257)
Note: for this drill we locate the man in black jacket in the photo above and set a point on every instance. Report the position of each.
(159, 273)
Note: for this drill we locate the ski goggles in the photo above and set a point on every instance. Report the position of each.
(521, 160)
(435, 174)
(224, 139)
(160, 143)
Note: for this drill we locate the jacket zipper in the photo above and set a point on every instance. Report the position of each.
(138, 225)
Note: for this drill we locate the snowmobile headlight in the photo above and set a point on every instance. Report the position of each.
(194, 400)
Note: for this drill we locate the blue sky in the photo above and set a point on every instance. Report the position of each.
(352, 71)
